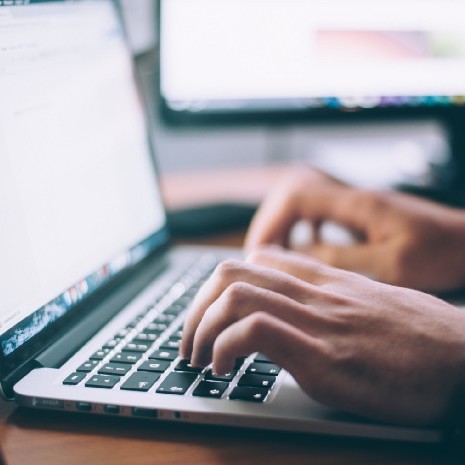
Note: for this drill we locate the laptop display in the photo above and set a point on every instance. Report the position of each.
(68, 223)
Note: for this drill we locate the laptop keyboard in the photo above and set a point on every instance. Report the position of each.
(143, 356)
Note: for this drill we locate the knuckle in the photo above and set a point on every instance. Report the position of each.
(293, 198)
(286, 197)
(257, 325)
(372, 200)
(228, 270)
(236, 294)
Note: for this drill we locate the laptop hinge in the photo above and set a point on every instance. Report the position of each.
(99, 313)
(65, 347)
(8, 383)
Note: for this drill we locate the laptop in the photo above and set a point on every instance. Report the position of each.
(93, 295)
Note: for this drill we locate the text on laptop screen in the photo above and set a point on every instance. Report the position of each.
(235, 54)
(79, 199)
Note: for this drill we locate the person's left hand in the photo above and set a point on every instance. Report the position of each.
(376, 350)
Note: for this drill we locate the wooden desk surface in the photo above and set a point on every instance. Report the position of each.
(43, 438)
(48, 438)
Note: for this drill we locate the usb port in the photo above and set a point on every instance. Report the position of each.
(113, 409)
(144, 412)
(83, 406)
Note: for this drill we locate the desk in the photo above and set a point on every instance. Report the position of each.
(49, 438)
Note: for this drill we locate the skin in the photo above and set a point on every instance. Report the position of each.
(359, 345)
(388, 353)
(402, 240)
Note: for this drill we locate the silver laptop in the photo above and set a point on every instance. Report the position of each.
(92, 296)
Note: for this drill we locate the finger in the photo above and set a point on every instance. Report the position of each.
(316, 231)
(241, 300)
(280, 210)
(275, 218)
(365, 259)
(281, 342)
(295, 264)
(227, 273)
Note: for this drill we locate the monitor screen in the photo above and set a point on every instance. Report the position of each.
(79, 198)
(312, 55)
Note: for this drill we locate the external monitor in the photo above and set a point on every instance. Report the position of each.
(236, 58)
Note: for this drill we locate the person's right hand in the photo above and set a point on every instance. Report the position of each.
(388, 353)
(404, 240)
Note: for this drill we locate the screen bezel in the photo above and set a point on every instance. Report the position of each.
(24, 355)
(279, 114)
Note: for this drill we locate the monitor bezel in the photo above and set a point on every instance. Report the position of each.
(292, 114)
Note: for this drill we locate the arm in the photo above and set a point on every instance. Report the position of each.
(404, 240)
(389, 353)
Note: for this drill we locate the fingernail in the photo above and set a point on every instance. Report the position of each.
(196, 363)
(219, 370)
(200, 360)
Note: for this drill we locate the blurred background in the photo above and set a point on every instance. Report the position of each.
(415, 150)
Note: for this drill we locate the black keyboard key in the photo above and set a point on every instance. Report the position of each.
(146, 337)
(239, 363)
(178, 333)
(185, 365)
(249, 394)
(177, 383)
(155, 328)
(112, 343)
(213, 389)
(185, 301)
(127, 357)
(103, 381)
(158, 366)
(175, 309)
(260, 358)
(264, 369)
(119, 369)
(210, 376)
(136, 347)
(87, 367)
(140, 381)
(74, 378)
(136, 320)
(256, 381)
(164, 319)
(171, 343)
(164, 355)
(100, 354)
(122, 333)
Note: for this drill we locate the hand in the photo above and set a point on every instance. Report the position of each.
(404, 240)
(388, 353)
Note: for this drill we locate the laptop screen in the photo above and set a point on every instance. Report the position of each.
(79, 198)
